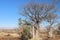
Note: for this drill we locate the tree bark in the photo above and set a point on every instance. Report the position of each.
(33, 31)
(37, 32)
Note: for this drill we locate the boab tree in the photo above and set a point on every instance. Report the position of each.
(51, 19)
(38, 12)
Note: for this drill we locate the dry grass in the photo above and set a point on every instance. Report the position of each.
(14, 36)
(17, 38)
(7, 38)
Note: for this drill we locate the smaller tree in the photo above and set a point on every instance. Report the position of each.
(24, 29)
(58, 29)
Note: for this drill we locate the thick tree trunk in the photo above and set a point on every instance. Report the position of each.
(37, 32)
(33, 31)
(50, 32)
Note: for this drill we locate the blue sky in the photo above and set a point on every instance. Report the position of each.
(9, 12)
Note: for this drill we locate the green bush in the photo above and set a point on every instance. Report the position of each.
(26, 34)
